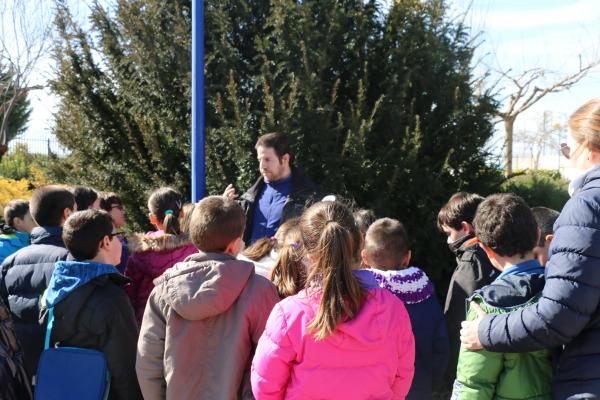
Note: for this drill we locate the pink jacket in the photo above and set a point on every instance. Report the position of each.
(369, 357)
(151, 255)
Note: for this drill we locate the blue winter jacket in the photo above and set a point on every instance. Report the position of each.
(413, 287)
(567, 316)
(24, 276)
(11, 242)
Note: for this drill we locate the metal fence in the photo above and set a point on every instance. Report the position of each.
(39, 146)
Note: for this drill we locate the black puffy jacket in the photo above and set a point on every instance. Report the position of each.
(24, 277)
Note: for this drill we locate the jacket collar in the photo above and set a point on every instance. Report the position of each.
(47, 235)
(411, 285)
(524, 268)
(578, 184)
(70, 275)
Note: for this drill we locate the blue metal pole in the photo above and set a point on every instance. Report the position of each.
(198, 160)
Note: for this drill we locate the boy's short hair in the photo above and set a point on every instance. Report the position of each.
(278, 142)
(364, 219)
(84, 230)
(462, 206)
(216, 222)
(48, 204)
(107, 199)
(386, 243)
(505, 224)
(545, 218)
(84, 197)
(15, 209)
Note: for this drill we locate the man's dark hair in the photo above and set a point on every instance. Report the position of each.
(545, 218)
(84, 230)
(216, 222)
(84, 197)
(15, 209)
(278, 142)
(505, 224)
(108, 199)
(364, 219)
(48, 204)
(386, 243)
(461, 207)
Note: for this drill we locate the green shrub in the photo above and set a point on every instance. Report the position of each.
(539, 188)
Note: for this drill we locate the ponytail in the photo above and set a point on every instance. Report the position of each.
(171, 222)
(331, 236)
(260, 249)
(289, 273)
(165, 204)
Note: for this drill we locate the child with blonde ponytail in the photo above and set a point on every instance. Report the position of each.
(340, 337)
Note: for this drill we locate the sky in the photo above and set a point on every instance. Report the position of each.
(549, 34)
(514, 34)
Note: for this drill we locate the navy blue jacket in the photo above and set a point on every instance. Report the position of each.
(413, 287)
(24, 276)
(567, 315)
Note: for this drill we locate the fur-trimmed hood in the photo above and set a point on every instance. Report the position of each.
(141, 242)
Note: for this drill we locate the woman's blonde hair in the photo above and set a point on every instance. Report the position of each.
(585, 124)
(289, 273)
(331, 237)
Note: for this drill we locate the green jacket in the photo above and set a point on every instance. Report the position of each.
(482, 374)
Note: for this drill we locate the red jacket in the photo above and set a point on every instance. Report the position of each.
(151, 255)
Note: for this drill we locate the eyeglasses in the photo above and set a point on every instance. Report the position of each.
(117, 206)
(565, 149)
(111, 235)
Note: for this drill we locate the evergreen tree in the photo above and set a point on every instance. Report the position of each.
(379, 104)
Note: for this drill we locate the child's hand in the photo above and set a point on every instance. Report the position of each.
(469, 333)
(230, 192)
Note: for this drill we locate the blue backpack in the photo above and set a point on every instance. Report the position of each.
(71, 373)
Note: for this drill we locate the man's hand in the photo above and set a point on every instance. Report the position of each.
(469, 335)
(230, 192)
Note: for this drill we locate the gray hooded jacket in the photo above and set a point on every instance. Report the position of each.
(200, 328)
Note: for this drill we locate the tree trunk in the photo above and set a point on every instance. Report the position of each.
(508, 154)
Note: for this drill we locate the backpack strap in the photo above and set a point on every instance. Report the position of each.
(49, 325)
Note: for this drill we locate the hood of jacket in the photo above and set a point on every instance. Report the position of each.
(205, 284)
(411, 285)
(70, 275)
(47, 235)
(142, 242)
(510, 292)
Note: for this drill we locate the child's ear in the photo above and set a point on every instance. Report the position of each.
(66, 213)
(233, 248)
(549, 238)
(364, 258)
(406, 259)
(152, 219)
(467, 227)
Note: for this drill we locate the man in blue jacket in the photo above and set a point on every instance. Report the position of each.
(24, 275)
(280, 193)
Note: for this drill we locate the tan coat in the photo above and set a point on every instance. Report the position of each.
(200, 329)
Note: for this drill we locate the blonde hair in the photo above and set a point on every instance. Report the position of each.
(585, 123)
(289, 273)
(331, 236)
(262, 247)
